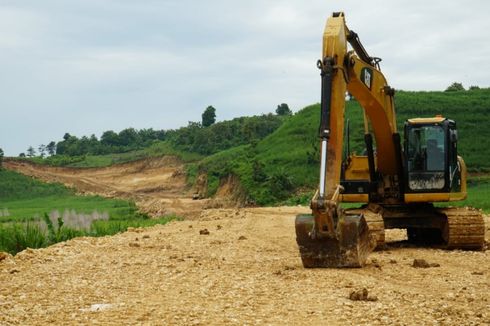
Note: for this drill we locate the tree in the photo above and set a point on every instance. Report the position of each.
(283, 109)
(258, 173)
(42, 150)
(474, 88)
(129, 137)
(51, 148)
(455, 87)
(161, 134)
(1, 159)
(209, 116)
(31, 152)
(22, 155)
(110, 138)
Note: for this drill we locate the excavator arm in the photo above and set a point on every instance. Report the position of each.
(330, 238)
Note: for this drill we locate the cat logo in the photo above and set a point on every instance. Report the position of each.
(367, 77)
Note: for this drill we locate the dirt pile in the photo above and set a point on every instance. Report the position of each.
(174, 275)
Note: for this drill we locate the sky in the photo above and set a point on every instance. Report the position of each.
(86, 66)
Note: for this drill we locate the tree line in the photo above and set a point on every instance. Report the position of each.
(205, 137)
(110, 142)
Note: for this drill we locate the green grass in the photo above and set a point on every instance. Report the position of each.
(284, 165)
(33, 208)
(15, 186)
(478, 194)
(27, 198)
(157, 149)
(15, 237)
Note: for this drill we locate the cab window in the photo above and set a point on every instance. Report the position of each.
(426, 157)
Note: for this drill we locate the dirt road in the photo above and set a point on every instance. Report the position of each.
(245, 271)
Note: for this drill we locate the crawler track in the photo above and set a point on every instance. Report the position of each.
(465, 228)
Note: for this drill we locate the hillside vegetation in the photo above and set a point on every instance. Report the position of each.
(190, 142)
(286, 162)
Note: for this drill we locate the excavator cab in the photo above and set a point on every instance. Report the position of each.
(431, 157)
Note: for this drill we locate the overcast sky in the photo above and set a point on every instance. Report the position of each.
(86, 66)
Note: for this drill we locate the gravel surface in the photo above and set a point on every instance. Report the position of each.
(244, 270)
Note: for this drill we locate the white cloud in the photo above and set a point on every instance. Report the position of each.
(88, 65)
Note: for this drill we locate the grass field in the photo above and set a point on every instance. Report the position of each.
(478, 194)
(24, 198)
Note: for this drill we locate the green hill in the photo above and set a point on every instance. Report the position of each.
(286, 162)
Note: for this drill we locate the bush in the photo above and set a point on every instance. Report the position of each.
(455, 87)
(19, 236)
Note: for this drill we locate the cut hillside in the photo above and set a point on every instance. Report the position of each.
(157, 185)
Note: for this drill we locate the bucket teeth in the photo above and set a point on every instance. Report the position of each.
(349, 248)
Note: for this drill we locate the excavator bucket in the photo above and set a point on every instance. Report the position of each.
(349, 248)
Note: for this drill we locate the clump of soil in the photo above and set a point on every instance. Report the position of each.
(362, 295)
(422, 263)
(3, 255)
(204, 232)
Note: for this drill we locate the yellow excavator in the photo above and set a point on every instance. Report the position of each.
(397, 182)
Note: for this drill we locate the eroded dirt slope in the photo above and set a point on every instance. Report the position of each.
(245, 271)
(157, 185)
